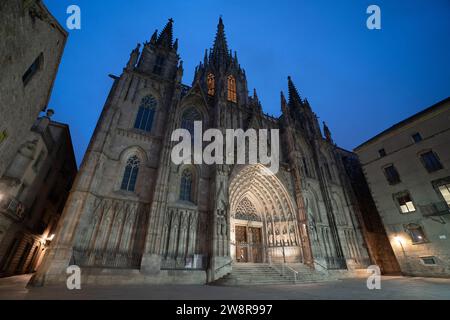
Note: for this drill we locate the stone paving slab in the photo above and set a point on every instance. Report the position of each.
(392, 288)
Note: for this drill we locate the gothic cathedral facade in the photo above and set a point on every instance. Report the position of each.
(135, 216)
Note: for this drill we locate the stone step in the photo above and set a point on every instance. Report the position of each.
(265, 274)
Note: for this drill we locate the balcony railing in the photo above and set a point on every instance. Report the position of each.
(435, 209)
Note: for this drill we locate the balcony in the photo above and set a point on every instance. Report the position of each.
(12, 208)
(435, 209)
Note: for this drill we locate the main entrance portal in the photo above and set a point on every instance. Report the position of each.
(264, 225)
(249, 246)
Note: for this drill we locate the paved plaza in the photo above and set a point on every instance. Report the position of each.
(392, 288)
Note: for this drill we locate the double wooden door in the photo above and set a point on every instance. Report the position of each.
(249, 246)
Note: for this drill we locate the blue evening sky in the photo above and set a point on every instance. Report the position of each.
(359, 81)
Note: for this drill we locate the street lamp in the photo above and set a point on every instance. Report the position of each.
(400, 240)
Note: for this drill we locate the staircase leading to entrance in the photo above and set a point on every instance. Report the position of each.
(262, 273)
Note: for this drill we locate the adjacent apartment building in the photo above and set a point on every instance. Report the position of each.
(37, 165)
(33, 192)
(408, 170)
(32, 43)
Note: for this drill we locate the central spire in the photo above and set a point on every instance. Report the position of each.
(294, 96)
(166, 36)
(220, 49)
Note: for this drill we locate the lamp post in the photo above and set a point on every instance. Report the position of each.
(399, 239)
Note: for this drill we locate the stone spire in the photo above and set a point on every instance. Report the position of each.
(255, 95)
(166, 37)
(154, 37)
(220, 53)
(284, 109)
(327, 133)
(294, 96)
(134, 56)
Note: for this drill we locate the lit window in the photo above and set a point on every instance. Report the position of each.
(416, 137)
(406, 204)
(392, 175)
(33, 69)
(146, 113)
(186, 185)
(211, 82)
(445, 192)
(130, 174)
(416, 233)
(232, 89)
(431, 161)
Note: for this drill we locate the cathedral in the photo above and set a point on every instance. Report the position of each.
(133, 216)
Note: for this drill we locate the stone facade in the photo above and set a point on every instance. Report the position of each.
(31, 50)
(33, 192)
(408, 171)
(134, 216)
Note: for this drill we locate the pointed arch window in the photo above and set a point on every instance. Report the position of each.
(186, 185)
(130, 174)
(189, 117)
(146, 114)
(211, 82)
(232, 89)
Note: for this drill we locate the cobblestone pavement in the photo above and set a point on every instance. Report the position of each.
(392, 288)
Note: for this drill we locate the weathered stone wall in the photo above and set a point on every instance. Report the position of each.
(27, 31)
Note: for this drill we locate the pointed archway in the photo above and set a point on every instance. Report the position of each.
(264, 227)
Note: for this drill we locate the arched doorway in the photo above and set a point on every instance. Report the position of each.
(264, 226)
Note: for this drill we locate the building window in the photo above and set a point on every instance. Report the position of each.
(186, 186)
(157, 69)
(416, 137)
(405, 203)
(416, 233)
(211, 82)
(146, 114)
(392, 175)
(33, 69)
(232, 89)
(430, 161)
(189, 117)
(382, 153)
(445, 192)
(428, 260)
(130, 174)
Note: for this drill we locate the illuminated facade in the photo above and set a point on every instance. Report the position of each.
(408, 170)
(134, 216)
